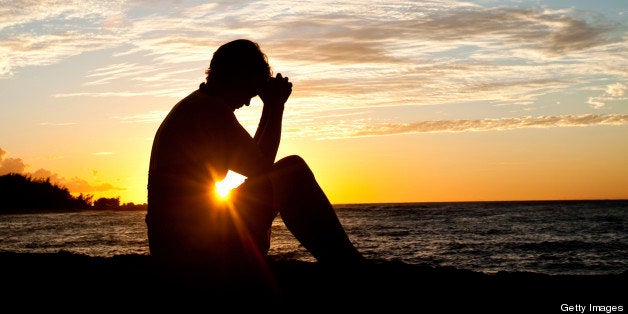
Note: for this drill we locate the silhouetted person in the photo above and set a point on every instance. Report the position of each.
(189, 228)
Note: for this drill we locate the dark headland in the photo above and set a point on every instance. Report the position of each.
(65, 280)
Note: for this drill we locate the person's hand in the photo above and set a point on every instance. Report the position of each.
(276, 91)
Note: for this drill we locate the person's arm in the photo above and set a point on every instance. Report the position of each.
(252, 156)
(268, 133)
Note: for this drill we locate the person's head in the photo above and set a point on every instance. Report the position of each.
(239, 67)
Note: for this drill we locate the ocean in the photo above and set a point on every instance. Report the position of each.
(550, 237)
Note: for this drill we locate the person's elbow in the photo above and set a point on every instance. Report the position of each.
(262, 166)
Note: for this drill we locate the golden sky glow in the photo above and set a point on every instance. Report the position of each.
(392, 101)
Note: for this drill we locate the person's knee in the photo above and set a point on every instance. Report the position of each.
(290, 172)
(292, 161)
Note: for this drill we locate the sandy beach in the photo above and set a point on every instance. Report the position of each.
(67, 279)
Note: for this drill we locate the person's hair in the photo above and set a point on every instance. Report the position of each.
(236, 62)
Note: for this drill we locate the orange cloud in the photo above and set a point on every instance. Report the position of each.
(75, 185)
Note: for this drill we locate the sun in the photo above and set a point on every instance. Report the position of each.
(231, 181)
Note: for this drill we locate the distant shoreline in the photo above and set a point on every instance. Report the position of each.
(144, 207)
(139, 207)
(493, 201)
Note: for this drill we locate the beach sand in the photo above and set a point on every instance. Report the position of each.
(69, 281)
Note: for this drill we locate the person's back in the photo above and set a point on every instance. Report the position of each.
(178, 185)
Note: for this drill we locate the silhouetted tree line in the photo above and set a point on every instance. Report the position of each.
(19, 192)
(114, 204)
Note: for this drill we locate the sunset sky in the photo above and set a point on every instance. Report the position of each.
(392, 101)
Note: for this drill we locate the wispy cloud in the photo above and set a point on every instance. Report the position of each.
(169, 93)
(439, 126)
(39, 50)
(57, 123)
(26, 12)
(548, 31)
(375, 49)
(154, 116)
(348, 54)
(349, 127)
(114, 72)
(612, 93)
(37, 33)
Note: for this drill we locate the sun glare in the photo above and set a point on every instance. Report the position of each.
(230, 182)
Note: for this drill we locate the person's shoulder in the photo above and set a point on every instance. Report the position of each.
(194, 96)
(196, 103)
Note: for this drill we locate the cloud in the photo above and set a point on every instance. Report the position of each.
(149, 117)
(57, 123)
(114, 72)
(348, 54)
(616, 90)
(36, 33)
(362, 36)
(436, 55)
(40, 50)
(548, 31)
(10, 165)
(74, 185)
(47, 174)
(440, 126)
(176, 93)
(595, 102)
(335, 51)
(77, 185)
(17, 13)
(613, 92)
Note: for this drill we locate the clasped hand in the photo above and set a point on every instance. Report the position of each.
(276, 91)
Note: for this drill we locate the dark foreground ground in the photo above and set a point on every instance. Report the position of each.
(127, 283)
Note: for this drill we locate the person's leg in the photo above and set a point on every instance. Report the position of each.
(254, 211)
(308, 214)
(245, 243)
